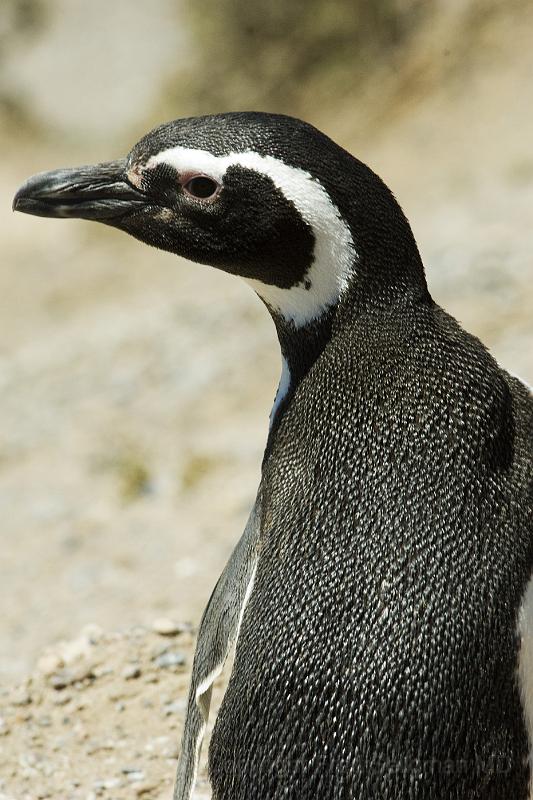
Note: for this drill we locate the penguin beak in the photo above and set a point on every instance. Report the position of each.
(101, 192)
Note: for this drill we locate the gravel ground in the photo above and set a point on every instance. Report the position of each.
(99, 717)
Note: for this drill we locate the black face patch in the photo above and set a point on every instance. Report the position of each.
(250, 229)
(162, 183)
(268, 238)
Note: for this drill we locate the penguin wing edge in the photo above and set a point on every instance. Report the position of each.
(218, 632)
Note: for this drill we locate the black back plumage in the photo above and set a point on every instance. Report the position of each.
(377, 656)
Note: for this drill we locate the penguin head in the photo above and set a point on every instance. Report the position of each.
(262, 196)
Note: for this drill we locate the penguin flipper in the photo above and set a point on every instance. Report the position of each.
(218, 633)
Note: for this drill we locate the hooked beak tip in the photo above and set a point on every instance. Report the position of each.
(18, 200)
(99, 192)
(20, 197)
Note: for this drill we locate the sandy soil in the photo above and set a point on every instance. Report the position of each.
(100, 716)
(135, 391)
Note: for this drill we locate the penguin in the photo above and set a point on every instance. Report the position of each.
(379, 601)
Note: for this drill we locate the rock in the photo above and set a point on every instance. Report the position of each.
(167, 627)
(101, 672)
(21, 697)
(131, 671)
(59, 680)
(67, 677)
(50, 663)
(4, 728)
(171, 659)
(110, 783)
(134, 775)
(76, 649)
(144, 788)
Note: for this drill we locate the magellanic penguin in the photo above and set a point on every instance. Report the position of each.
(378, 598)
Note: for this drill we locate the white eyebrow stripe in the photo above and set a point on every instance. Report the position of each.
(334, 252)
(185, 159)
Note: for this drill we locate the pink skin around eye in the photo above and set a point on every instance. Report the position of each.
(134, 176)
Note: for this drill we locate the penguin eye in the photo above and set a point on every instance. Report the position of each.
(201, 187)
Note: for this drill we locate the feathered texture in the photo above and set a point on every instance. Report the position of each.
(378, 652)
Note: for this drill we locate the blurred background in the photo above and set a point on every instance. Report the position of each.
(134, 387)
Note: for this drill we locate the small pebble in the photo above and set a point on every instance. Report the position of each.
(59, 680)
(110, 783)
(21, 697)
(50, 663)
(131, 671)
(137, 775)
(172, 659)
(144, 788)
(67, 677)
(167, 627)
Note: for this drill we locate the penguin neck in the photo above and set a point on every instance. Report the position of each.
(300, 348)
(302, 345)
